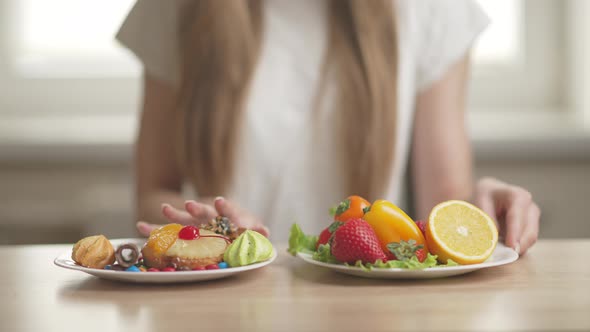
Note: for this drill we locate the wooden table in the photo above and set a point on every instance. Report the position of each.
(548, 289)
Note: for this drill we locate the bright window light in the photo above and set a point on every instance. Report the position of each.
(71, 38)
(501, 43)
(75, 38)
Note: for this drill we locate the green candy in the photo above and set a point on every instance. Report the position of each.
(249, 248)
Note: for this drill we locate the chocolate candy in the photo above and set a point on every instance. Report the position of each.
(127, 255)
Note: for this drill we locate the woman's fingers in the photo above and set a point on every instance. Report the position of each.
(486, 203)
(514, 208)
(517, 216)
(200, 213)
(145, 228)
(226, 209)
(530, 232)
(175, 215)
(484, 199)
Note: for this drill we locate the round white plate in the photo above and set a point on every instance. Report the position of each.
(65, 260)
(501, 255)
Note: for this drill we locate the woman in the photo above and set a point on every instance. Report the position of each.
(285, 107)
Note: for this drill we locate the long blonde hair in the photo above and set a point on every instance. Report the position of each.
(220, 45)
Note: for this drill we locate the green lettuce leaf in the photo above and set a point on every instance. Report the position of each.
(323, 254)
(411, 264)
(299, 242)
(450, 262)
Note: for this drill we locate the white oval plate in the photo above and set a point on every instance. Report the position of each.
(502, 255)
(65, 260)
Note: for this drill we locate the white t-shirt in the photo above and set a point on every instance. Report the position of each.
(285, 169)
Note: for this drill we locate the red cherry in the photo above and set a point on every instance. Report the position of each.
(168, 269)
(189, 233)
(212, 267)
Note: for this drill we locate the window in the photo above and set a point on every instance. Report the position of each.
(61, 59)
(500, 43)
(70, 38)
(62, 53)
(520, 58)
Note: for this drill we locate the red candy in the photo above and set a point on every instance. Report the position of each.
(168, 269)
(153, 269)
(212, 267)
(199, 268)
(189, 233)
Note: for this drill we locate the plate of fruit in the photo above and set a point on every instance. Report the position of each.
(380, 240)
(173, 253)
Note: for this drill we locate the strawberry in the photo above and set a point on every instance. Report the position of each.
(422, 225)
(324, 237)
(404, 251)
(326, 234)
(356, 240)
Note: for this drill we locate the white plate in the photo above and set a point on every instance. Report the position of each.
(65, 260)
(501, 255)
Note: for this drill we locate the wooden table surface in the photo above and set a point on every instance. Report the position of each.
(548, 289)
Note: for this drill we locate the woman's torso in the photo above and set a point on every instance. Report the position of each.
(286, 169)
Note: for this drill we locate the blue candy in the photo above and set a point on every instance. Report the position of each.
(108, 267)
(133, 268)
(222, 265)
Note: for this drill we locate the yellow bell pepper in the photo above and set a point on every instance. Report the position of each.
(392, 224)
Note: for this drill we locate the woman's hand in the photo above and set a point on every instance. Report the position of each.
(513, 209)
(196, 213)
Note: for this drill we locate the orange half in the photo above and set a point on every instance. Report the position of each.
(163, 238)
(462, 232)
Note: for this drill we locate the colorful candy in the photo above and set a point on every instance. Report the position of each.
(133, 268)
(114, 267)
(142, 268)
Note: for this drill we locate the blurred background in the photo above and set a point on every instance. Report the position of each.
(69, 104)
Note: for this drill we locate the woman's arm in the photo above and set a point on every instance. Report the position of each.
(158, 179)
(442, 164)
(441, 153)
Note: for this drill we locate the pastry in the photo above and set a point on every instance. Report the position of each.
(183, 248)
(94, 252)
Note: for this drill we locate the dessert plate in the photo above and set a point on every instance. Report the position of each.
(502, 255)
(65, 260)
